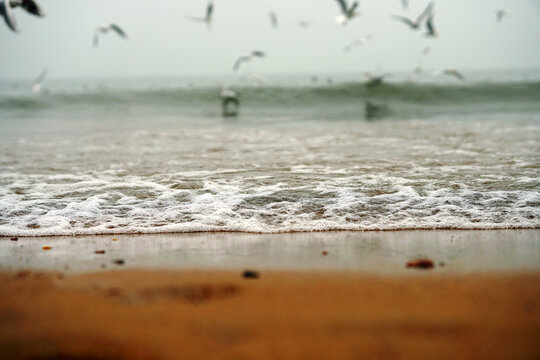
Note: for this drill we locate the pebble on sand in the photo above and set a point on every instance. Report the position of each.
(421, 264)
(14, 239)
(250, 274)
(46, 247)
(119, 262)
(99, 252)
(324, 253)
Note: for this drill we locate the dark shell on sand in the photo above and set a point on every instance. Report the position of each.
(421, 264)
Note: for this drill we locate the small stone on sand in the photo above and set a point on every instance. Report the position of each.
(14, 238)
(421, 264)
(250, 274)
(99, 252)
(114, 239)
(324, 253)
(46, 247)
(119, 262)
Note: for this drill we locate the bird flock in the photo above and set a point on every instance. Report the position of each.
(347, 13)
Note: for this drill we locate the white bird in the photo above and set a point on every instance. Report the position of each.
(455, 73)
(36, 85)
(207, 19)
(246, 58)
(415, 24)
(273, 19)
(102, 30)
(347, 13)
(357, 43)
(500, 14)
(6, 7)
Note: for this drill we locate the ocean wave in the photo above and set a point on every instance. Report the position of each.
(403, 96)
(362, 203)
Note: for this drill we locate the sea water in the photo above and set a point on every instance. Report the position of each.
(116, 156)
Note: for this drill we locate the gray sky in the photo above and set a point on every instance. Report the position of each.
(162, 42)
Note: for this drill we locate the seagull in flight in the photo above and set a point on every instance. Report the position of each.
(246, 58)
(273, 19)
(102, 30)
(207, 19)
(377, 80)
(500, 14)
(414, 25)
(347, 12)
(455, 73)
(358, 42)
(36, 85)
(6, 7)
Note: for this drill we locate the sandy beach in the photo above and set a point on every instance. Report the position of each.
(335, 295)
(281, 315)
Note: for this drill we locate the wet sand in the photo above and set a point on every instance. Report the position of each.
(372, 252)
(184, 296)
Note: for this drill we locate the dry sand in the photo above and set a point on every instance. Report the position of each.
(281, 315)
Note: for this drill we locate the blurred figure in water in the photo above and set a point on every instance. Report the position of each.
(376, 111)
(230, 105)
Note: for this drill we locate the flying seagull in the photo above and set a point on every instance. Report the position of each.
(273, 19)
(500, 14)
(358, 42)
(6, 7)
(431, 31)
(207, 19)
(415, 24)
(455, 73)
(372, 80)
(347, 13)
(246, 58)
(36, 85)
(101, 30)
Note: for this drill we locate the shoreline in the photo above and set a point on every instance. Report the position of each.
(449, 228)
(371, 252)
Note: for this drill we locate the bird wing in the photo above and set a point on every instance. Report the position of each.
(429, 26)
(427, 11)
(118, 30)
(458, 75)
(41, 77)
(240, 61)
(258, 53)
(353, 7)
(405, 4)
(11, 22)
(32, 7)
(405, 20)
(342, 5)
(273, 19)
(209, 11)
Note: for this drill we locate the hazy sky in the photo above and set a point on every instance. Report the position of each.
(162, 42)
